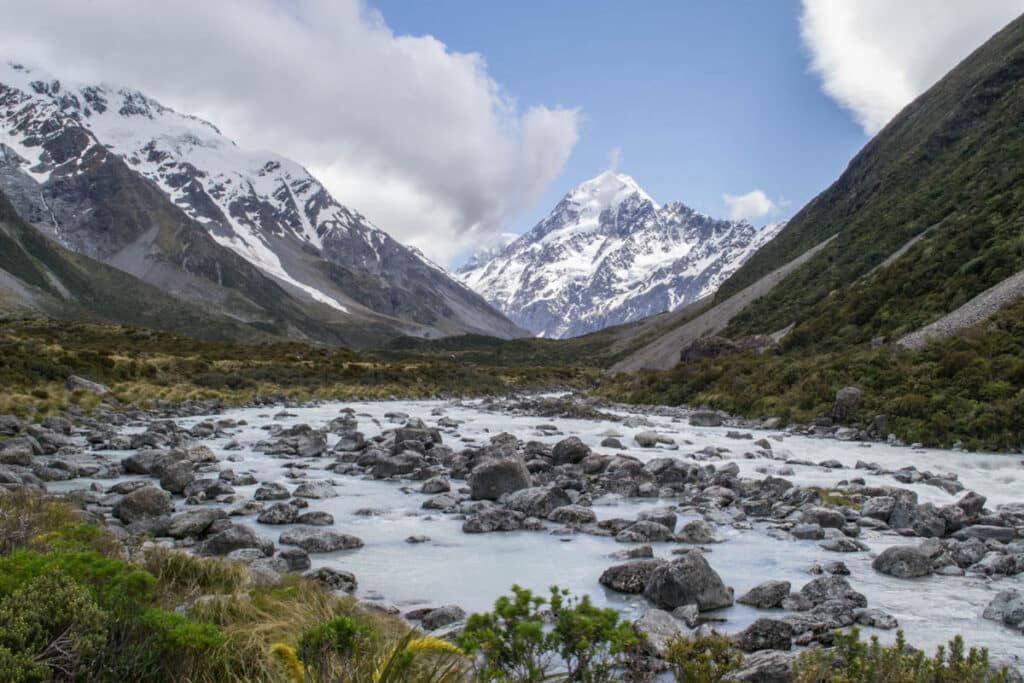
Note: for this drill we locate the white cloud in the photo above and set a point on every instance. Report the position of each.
(875, 56)
(419, 138)
(753, 204)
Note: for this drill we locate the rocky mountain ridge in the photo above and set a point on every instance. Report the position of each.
(608, 254)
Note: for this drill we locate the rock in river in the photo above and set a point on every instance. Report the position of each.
(687, 580)
(319, 540)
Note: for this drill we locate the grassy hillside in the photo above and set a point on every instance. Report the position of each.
(949, 162)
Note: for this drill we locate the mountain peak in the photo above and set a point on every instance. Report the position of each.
(606, 190)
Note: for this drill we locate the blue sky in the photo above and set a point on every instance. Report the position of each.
(392, 104)
(702, 98)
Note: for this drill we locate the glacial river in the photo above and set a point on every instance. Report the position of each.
(471, 570)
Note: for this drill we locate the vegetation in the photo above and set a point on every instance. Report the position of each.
(584, 644)
(144, 365)
(854, 661)
(705, 659)
(967, 388)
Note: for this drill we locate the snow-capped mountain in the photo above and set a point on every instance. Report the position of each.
(264, 208)
(609, 254)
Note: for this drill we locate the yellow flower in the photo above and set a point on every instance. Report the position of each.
(434, 645)
(285, 654)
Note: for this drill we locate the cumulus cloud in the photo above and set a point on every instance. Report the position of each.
(416, 136)
(875, 56)
(753, 204)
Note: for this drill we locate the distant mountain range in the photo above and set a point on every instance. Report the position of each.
(608, 254)
(113, 175)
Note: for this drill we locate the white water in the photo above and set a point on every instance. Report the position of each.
(471, 570)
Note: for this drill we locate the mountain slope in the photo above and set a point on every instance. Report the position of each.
(264, 209)
(38, 275)
(607, 254)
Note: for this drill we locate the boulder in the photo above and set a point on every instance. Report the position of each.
(766, 595)
(767, 666)
(439, 617)
(319, 540)
(436, 485)
(687, 580)
(537, 501)
(279, 513)
(649, 439)
(706, 418)
(492, 519)
(847, 400)
(698, 532)
(658, 628)
(76, 383)
(17, 451)
(823, 517)
(402, 463)
(334, 579)
(296, 558)
(493, 478)
(315, 518)
(574, 515)
(645, 531)
(972, 504)
(629, 577)
(233, 538)
(879, 507)
(10, 425)
(194, 523)
(875, 618)
(903, 562)
(569, 451)
(1007, 608)
(144, 504)
(316, 490)
(175, 476)
(271, 491)
(986, 532)
(765, 634)
(831, 589)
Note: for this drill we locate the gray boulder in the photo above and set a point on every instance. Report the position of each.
(315, 518)
(767, 666)
(492, 519)
(436, 485)
(630, 577)
(903, 562)
(334, 579)
(76, 383)
(271, 491)
(847, 400)
(658, 628)
(492, 479)
(537, 501)
(569, 451)
(176, 476)
(1007, 607)
(705, 418)
(831, 589)
(575, 515)
(146, 503)
(766, 634)
(194, 523)
(645, 531)
(439, 617)
(235, 537)
(687, 580)
(766, 595)
(279, 513)
(698, 532)
(319, 540)
(650, 439)
(315, 489)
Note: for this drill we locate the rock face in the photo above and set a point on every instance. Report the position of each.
(649, 259)
(492, 479)
(903, 561)
(688, 580)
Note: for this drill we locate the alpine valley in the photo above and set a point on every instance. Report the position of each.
(608, 254)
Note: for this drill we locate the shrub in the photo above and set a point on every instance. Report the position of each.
(50, 627)
(334, 644)
(704, 659)
(854, 661)
(512, 642)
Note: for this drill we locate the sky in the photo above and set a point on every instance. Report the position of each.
(451, 122)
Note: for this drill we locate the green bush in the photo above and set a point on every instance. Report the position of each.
(324, 647)
(583, 644)
(50, 627)
(854, 661)
(704, 659)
